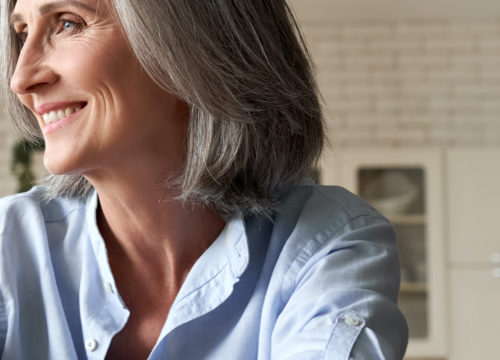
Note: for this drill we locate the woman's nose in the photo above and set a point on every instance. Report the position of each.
(32, 71)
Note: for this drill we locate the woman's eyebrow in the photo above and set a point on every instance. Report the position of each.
(46, 8)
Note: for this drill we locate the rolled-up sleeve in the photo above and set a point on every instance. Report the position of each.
(343, 302)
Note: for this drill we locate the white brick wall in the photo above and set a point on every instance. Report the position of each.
(409, 82)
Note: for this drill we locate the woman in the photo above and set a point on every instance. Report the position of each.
(174, 225)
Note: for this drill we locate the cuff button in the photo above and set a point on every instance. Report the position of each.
(352, 321)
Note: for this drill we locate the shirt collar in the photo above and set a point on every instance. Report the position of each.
(230, 247)
(209, 282)
(212, 278)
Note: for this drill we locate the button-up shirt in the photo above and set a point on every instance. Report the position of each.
(319, 280)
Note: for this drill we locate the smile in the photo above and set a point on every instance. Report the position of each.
(56, 115)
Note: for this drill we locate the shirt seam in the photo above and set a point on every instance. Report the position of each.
(16, 197)
(12, 199)
(65, 216)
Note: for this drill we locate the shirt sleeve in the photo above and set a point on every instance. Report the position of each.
(342, 304)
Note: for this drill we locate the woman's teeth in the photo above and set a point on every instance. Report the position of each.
(58, 115)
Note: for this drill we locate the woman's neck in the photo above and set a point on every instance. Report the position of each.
(145, 226)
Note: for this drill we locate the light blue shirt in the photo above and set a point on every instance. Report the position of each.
(320, 281)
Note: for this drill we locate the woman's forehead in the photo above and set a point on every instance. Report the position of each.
(48, 5)
(24, 8)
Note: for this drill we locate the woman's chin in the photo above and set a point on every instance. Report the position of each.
(59, 166)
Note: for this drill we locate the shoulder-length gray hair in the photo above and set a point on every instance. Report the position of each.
(255, 123)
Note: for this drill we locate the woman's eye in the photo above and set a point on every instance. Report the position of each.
(67, 25)
(64, 25)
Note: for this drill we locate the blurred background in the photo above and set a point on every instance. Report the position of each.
(412, 98)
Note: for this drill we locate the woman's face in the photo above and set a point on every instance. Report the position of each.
(95, 105)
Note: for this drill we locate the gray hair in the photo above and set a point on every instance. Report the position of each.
(255, 124)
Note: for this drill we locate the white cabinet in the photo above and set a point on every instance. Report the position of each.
(475, 314)
(473, 204)
(406, 186)
(450, 292)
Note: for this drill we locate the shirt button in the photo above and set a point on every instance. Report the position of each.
(352, 321)
(91, 344)
(108, 287)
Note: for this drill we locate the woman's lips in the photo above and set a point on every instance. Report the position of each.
(57, 105)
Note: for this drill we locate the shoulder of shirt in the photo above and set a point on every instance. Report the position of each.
(30, 227)
(53, 210)
(318, 217)
(331, 206)
(316, 221)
